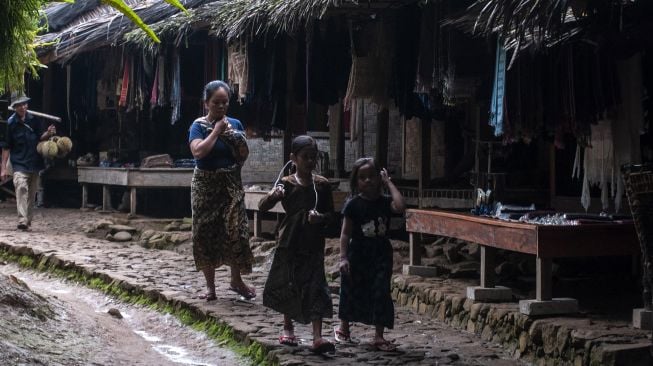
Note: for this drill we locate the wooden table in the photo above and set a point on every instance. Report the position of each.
(544, 241)
(133, 178)
(252, 199)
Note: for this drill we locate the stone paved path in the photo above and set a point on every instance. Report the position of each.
(421, 340)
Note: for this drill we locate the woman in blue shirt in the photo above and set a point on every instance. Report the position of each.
(220, 230)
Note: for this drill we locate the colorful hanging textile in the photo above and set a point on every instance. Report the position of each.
(154, 95)
(175, 93)
(498, 90)
(122, 102)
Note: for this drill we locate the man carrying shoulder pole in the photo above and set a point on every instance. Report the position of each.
(24, 132)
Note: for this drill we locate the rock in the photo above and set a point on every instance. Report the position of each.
(116, 228)
(433, 251)
(453, 356)
(451, 252)
(474, 250)
(102, 224)
(506, 269)
(173, 226)
(467, 269)
(187, 220)
(115, 313)
(122, 236)
(147, 234)
(185, 227)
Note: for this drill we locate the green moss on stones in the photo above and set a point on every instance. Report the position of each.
(213, 328)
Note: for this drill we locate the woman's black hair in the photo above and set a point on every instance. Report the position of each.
(358, 164)
(213, 86)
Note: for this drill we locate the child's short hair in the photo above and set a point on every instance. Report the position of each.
(301, 142)
(353, 180)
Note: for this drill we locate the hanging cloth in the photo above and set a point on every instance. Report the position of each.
(162, 80)
(175, 93)
(122, 102)
(498, 90)
(598, 164)
(238, 68)
(155, 88)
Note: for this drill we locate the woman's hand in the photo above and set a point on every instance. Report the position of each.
(220, 126)
(344, 266)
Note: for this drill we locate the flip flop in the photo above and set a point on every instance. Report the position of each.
(342, 337)
(208, 296)
(245, 291)
(288, 340)
(322, 346)
(384, 346)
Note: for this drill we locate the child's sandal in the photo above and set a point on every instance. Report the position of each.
(340, 336)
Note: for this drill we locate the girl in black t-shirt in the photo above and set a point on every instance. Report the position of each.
(366, 253)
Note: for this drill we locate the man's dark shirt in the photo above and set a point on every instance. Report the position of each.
(21, 140)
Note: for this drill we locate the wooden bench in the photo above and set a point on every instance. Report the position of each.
(546, 242)
(133, 178)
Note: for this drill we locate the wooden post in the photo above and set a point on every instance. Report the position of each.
(106, 198)
(84, 195)
(382, 127)
(487, 266)
(132, 201)
(415, 247)
(552, 174)
(543, 279)
(257, 224)
(424, 158)
(291, 50)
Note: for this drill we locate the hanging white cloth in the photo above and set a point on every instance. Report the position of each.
(598, 163)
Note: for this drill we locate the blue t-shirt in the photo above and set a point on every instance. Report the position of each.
(221, 156)
(21, 140)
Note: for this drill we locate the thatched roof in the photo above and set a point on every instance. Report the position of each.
(89, 27)
(536, 24)
(230, 19)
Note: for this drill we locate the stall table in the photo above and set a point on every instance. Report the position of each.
(133, 178)
(546, 242)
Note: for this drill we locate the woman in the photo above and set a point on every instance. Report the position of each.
(220, 231)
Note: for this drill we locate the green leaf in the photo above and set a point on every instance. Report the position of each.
(129, 13)
(177, 4)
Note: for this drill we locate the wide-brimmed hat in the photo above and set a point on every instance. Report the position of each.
(19, 100)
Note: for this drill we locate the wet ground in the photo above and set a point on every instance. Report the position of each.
(46, 321)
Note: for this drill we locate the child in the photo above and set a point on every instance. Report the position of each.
(366, 254)
(296, 285)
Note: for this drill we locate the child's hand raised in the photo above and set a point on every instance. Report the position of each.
(344, 266)
(385, 178)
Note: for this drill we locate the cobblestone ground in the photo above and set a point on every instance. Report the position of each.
(421, 340)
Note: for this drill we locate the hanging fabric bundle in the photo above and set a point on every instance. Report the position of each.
(498, 90)
(162, 78)
(122, 102)
(238, 68)
(175, 93)
(154, 95)
(598, 164)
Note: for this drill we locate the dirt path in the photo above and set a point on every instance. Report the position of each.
(73, 327)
